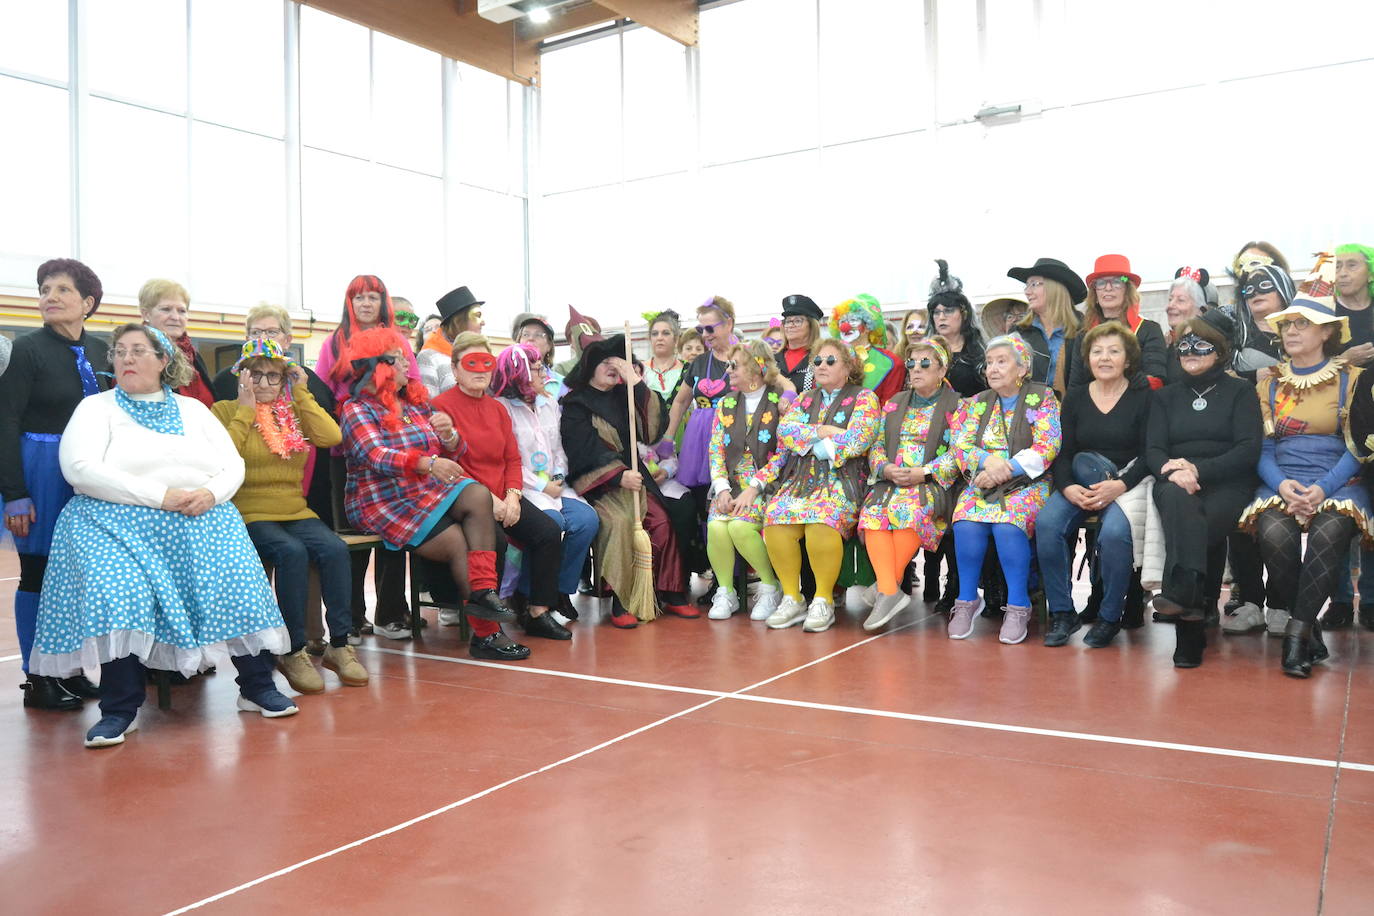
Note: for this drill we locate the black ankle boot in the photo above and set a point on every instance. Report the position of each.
(1133, 616)
(1339, 615)
(47, 693)
(1094, 606)
(1297, 649)
(1316, 646)
(80, 686)
(1191, 640)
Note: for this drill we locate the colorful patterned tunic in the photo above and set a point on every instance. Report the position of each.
(828, 503)
(1021, 505)
(761, 427)
(909, 507)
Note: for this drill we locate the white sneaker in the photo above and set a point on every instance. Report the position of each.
(766, 602)
(859, 597)
(885, 608)
(450, 618)
(790, 612)
(392, 631)
(723, 605)
(1276, 620)
(819, 617)
(1248, 618)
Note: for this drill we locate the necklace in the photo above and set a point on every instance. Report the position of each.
(1201, 402)
(662, 382)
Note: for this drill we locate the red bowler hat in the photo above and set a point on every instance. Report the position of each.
(1113, 265)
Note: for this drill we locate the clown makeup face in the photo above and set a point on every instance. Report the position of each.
(853, 330)
(916, 327)
(1261, 295)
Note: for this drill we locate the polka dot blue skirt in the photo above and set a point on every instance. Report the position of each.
(174, 590)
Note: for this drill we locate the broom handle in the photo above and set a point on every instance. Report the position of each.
(634, 440)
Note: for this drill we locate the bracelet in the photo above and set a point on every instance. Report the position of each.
(432, 460)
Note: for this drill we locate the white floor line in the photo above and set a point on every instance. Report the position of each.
(10, 658)
(9, 578)
(905, 716)
(510, 782)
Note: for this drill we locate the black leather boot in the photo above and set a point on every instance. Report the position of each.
(1339, 615)
(47, 693)
(1297, 649)
(1316, 647)
(1191, 640)
(1133, 617)
(80, 686)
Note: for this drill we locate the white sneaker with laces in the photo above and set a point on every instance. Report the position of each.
(819, 617)
(766, 602)
(1276, 620)
(394, 630)
(1248, 618)
(723, 605)
(790, 612)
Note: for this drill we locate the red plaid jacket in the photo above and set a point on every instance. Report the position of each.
(385, 493)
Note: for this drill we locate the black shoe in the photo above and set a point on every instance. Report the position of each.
(1297, 649)
(1094, 605)
(585, 587)
(80, 686)
(946, 603)
(1192, 638)
(565, 607)
(1211, 617)
(1062, 626)
(498, 647)
(544, 626)
(1166, 608)
(1234, 604)
(1316, 647)
(1367, 616)
(487, 605)
(1102, 633)
(47, 693)
(1339, 615)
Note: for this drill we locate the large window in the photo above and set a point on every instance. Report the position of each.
(35, 180)
(136, 50)
(238, 63)
(34, 39)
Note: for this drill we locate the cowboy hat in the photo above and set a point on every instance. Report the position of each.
(1054, 270)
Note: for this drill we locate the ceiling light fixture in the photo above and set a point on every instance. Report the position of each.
(539, 15)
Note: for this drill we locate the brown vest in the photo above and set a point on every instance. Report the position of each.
(1019, 434)
(744, 432)
(941, 499)
(806, 473)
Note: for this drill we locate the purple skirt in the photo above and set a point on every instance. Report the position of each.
(693, 459)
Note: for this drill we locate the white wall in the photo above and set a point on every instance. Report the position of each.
(835, 150)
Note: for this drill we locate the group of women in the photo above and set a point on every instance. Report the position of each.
(148, 515)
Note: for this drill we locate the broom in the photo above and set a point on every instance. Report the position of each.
(640, 601)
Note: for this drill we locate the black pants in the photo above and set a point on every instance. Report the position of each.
(1195, 529)
(1247, 568)
(541, 541)
(389, 577)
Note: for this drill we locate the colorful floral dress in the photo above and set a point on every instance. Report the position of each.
(825, 496)
(1032, 419)
(913, 507)
(758, 437)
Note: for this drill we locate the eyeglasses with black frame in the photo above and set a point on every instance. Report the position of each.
(830, 360)
(924, 362)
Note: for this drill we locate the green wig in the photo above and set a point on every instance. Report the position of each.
(866, 308)
(1363, 251)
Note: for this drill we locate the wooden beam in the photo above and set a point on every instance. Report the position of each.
(675, 18)
(449, 27)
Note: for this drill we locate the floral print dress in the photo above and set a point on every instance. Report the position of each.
(722, 435)
(828, 504)
(907, 508)
(1021, 506)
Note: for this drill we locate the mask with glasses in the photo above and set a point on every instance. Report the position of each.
(407, 319)
(1193, 345)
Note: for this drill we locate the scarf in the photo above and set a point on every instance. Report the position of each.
(437, 342)
(196, 387)
(162, 416)
(277, 424)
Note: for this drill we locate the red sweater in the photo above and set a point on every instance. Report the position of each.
(487, 448)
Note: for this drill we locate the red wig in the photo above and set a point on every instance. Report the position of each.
(370, 345)
(348, 324)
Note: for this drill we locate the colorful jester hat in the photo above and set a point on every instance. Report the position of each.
(862, 308)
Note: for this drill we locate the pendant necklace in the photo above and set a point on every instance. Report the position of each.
(1201, 402)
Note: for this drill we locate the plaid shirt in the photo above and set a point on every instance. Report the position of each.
(385, 493)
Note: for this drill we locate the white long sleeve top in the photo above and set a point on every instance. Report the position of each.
(537, 431)
(106, 455)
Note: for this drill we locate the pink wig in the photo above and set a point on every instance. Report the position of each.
(512, 377)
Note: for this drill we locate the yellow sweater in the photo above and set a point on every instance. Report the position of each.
(272, 488)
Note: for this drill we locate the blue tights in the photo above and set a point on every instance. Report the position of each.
(1013, 550)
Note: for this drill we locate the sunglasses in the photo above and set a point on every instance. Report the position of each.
(1257, 289)
(825, 360)
(1193, 345)
(478, 362)
(704, 329)
(407, 319)
(944, 310)
(924, 363)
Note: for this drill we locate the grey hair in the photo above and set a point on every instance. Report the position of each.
(176, 373)
(1190, 286)
(1024, 355)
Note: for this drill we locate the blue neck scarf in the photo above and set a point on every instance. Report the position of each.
(160, 416)
(89, 385)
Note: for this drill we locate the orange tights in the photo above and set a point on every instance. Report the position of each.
(890, 553)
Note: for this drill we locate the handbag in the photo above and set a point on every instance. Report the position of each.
(1090, 468)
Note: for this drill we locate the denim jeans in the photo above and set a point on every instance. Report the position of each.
(1343, 590)
(579, 524)
(1056, 533)
(291, 547)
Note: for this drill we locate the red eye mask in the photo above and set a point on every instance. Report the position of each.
(478, 362)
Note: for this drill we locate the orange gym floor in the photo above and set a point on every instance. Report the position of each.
(695, 766)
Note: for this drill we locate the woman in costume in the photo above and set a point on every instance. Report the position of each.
(1114, 295)
(1051, 326)
(664, 369)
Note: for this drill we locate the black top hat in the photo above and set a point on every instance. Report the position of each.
(1054, 270)
(456, 301)
(801, 305)
(593, 353)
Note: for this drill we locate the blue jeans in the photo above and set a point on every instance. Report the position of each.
(291, 547)
(1343, 590)
(579, 524)
(1056, 530)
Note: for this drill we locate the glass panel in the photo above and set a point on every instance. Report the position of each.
(136, 49)
(134, 204)
(36, 194)
(958, 78)
(224, 35)
(577, 230)
(657, 118)
(238, 218)
(581, 115)
(34, 39)
(407, 249)
(407, 105)
(873, 68)
(339, 220)
(758, 79)
(335, 103)
(488, 255)
(485, 107)
(1014, 56)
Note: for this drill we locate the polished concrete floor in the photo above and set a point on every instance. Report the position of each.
(695, 766)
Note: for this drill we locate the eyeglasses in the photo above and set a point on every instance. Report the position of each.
(407, 319)
(536, 333)
(1257, 289)
(924, 363)
(794, 321)
(825, 360)
(258, 333)
(137, 352)
(1192, 345)
(735, 365)
(704, 329)
(477, 362)
(1034, 284)
(1298, 324)
(1109, 283)
(271, 378)
(944, 310)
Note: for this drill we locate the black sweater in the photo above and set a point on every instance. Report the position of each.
(1118, 435)
(38, 393)
(1154, 352)
(1223, 440)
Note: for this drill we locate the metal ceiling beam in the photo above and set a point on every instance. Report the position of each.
(676, 19)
